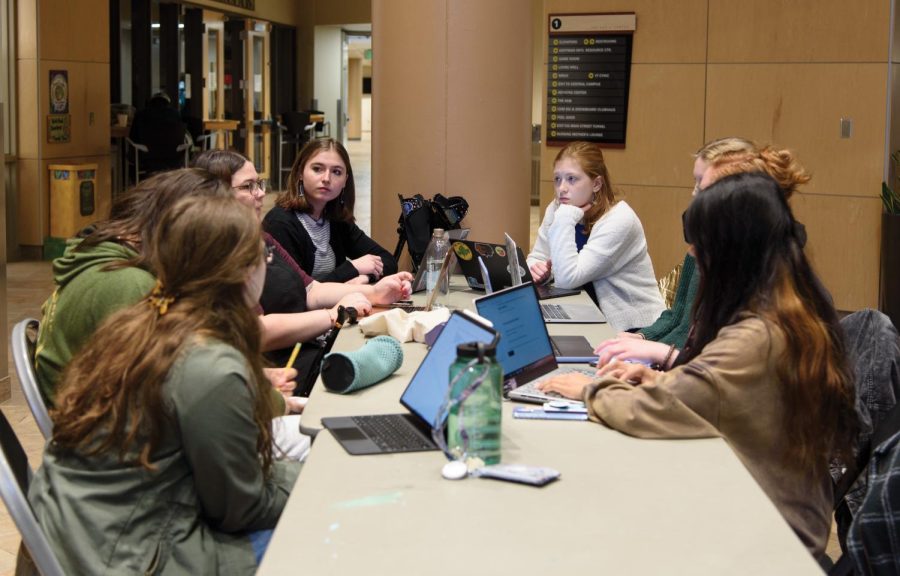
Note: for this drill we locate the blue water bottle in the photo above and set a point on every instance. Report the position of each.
(473, 425)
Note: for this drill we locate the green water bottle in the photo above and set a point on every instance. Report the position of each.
(473, 425)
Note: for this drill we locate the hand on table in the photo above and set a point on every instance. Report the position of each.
(391, 288)
(368, 264)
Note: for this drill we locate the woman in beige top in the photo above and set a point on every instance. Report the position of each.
(764, 367)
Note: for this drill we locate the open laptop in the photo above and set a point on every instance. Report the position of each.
(423, 397)
(525, 351)
(486, 266)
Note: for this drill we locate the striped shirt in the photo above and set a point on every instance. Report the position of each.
(320, 233)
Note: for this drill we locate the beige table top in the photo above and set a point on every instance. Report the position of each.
(622, 505)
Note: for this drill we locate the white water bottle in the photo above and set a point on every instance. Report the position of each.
(434, 258)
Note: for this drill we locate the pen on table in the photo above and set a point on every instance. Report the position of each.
(293, 357)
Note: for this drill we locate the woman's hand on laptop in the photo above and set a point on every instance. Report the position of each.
(568, 385)
(630, 349)
(629, 372)
(540, 271)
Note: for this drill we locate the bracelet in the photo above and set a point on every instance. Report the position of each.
(641, 335)
(665, 363)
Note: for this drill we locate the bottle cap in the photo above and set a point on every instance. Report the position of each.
(471, 350)
(437, 232)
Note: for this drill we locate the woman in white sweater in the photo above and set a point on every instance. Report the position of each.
(589, 240)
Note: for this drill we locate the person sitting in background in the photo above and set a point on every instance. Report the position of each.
(313, 219)
(163, 458)
(765, 366)
(295, 307)
(160, 129)
(714, 161)
(589, 240)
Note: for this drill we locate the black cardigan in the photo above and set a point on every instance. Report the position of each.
(347, 241)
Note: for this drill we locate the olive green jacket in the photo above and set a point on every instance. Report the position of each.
(191, 514)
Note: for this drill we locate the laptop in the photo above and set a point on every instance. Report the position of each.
(486, 266)
(423, 397)
(525, 351)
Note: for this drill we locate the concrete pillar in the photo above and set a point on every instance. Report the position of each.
(354, 98)
(451, 111)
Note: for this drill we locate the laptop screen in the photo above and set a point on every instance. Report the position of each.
(425, 392)
(524, 350)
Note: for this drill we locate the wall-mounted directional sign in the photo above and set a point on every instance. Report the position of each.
(588, 72)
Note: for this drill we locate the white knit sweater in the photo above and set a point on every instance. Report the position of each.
(614, 259)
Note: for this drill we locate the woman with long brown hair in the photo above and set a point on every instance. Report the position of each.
(313, 219)
(161, 452)
(590, 240)
(765, 366)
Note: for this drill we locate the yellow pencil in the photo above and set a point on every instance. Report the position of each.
(293, 357)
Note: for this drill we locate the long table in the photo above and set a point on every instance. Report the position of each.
(622, 506)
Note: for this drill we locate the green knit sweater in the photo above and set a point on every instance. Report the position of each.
(673, 325)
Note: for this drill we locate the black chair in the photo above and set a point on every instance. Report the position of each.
(294, 130)
(15, 477)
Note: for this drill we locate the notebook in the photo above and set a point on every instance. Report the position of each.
(423, 397)
(525, 351)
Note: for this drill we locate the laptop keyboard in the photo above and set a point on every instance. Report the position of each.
(392, 433)
(531, 387)
(554, 311)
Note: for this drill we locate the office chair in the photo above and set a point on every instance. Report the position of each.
(23, 346)
(15, 476)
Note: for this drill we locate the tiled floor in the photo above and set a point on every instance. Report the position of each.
(29, 283)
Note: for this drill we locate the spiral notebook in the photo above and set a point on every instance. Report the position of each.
(423, 397)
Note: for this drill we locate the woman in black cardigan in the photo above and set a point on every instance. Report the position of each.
(313, 219)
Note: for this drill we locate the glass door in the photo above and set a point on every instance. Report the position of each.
(213, 73)
(257, 102)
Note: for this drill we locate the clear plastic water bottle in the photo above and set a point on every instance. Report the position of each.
(434, 257)
(473, 425)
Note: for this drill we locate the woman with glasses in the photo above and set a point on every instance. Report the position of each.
(296, 308)
(313, 219)
(765, 366)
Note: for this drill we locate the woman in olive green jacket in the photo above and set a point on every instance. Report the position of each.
(161, 456)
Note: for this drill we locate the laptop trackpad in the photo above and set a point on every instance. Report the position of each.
(348, 434)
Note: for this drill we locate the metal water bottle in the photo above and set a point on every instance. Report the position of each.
(473, 425)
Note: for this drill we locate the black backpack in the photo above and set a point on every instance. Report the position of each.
(419, 217)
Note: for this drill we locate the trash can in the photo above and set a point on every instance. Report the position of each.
(73, 198)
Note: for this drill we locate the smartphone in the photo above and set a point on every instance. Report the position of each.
(519, 473)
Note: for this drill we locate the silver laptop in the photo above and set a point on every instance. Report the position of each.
(525, 351)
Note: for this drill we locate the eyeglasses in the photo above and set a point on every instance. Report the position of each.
(252, 186)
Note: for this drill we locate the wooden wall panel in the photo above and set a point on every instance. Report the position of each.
(799, 106)
(844, 235)
(489, 116)
(660, 210)
(409, 113)
(665, 127)
(666, 31)
(74, 30)
(27, 119)
(30, 205)
(799, 31)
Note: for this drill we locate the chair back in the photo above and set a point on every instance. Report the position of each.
(23, 346)
(15, 476)
(295, 123)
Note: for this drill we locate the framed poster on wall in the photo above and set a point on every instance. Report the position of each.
(588, 74)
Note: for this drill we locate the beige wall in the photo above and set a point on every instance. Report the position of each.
(354, 98)
(778, 72)
(452, 111)
(46, 42)
(4, 337)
